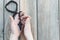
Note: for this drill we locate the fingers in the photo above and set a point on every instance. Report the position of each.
(22, 14)
(17, 19)
(28, 19)
(11, 18)
(24, 19)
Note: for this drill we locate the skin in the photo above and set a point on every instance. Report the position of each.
(16, 32)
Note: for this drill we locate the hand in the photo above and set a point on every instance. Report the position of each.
(27, 28)
(14, 26)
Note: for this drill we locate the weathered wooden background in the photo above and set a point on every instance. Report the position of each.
(45, 17)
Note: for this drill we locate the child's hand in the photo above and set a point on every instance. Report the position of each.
(27, 28)
(14, 25)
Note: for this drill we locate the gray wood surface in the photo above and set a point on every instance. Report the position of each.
(48, 27)
(59, 15)
(1, 19)
(45, 20)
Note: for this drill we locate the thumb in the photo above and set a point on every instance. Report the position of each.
(28, 19)
(11, 18)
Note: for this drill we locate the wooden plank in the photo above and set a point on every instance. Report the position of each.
(17, 3)
(54, 31)
(1, 19)
(48, 28)
(59, 14)
(29, 7)
(7, 14)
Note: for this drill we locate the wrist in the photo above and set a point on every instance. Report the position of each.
(13, 37)
(15, 34)
(29, 36)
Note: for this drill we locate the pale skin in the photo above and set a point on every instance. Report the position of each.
(15, 29)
